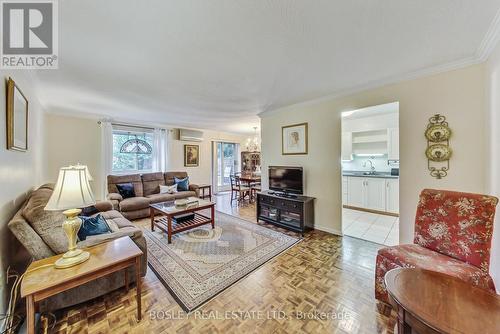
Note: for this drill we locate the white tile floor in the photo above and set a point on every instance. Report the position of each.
(371, 226)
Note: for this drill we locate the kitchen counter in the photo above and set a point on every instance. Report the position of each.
(382, 175)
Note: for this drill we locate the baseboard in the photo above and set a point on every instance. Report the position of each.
(385, 213)
(328, 230)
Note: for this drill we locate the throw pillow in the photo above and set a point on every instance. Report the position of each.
(92, 226)
(126, 190)
(89, 211)
(168, 189)
(47, 224)
(182, 184)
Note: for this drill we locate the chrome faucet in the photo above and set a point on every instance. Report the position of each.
(372, 168)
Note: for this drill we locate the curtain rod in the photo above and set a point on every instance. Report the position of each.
(131, 125)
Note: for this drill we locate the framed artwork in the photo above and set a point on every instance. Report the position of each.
(191, 155)
(294, 139)
(17, 118)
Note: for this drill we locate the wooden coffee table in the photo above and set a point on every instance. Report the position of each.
(167, 210)
(432, 302)
(43, 280)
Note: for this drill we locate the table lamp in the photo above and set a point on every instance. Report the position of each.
(72, 191)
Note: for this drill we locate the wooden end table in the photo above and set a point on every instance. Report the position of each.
(168, 210)
(202, 188)
(105, 258)
(432, 302)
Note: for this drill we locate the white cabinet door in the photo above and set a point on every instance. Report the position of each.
(375, 194)
(356, 192)
(344, 189)
(393, 144)
(392, 195)
(346, 145)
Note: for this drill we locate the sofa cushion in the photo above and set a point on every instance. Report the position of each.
(47, 224)
(115, 217)
(184, 194)
(420, 257)
(151, 183)
(126, 190)
(157, 198)
(135, 179)
(169, 177)
(134, 203)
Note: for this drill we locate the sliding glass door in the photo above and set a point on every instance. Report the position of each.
(226, 163)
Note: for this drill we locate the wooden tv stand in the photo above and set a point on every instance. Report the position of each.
(293, 213)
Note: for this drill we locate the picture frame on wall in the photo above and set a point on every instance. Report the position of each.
(294, 139)
(191, 155)
(17, 118)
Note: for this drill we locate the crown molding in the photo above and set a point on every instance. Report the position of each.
(425, 72)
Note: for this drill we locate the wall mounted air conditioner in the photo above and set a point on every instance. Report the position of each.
(190, 135)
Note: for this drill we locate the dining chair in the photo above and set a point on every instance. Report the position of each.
(238, 192)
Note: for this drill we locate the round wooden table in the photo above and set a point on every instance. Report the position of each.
(431, 302)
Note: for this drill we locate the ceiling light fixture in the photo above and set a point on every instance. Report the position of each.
(252, 144)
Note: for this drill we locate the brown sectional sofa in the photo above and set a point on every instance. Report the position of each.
(147, 191)
(41, 234)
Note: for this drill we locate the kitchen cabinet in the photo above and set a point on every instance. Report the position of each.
(392, 195)
(375, 194)
(379, 194)
(347, 146)
(356, 192)
(344, 189)
(393, 143)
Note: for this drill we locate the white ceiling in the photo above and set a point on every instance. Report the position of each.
(217, 64)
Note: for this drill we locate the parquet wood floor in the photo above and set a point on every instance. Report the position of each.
(324, 278)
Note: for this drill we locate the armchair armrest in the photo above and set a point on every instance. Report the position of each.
(103, 206)
(115, 199)
(195, 188)
(132, 232)
(115, 196)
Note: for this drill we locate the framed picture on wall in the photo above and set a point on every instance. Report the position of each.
(191, 155)
(17, 118)
(294, 139)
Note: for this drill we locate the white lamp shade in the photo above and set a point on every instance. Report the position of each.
(72, 190)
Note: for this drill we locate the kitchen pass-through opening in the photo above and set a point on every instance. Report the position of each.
(370, 173)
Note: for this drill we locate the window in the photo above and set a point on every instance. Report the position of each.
(132, 150)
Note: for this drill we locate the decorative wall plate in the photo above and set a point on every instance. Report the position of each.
(438, 152)
(437, 133)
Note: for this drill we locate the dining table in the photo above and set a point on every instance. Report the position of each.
(250, 178)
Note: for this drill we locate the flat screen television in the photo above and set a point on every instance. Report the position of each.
(286, 179)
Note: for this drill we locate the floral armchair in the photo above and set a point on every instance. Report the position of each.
(453, 232)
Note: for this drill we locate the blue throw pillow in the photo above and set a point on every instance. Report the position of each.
(92, 226)
(182, 184)
(126, 190)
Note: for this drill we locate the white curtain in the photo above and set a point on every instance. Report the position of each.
(160, 145)
(106, 155)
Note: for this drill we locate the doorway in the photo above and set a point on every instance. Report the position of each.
(226, 163)
(370, 173)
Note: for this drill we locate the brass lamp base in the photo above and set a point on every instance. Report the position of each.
(66, 262)
(73, 256)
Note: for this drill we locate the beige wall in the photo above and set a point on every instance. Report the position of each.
(459, 95)
(72, 140)
(19, 173)
(202, 173)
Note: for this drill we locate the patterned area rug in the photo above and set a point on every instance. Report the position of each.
(202, 262)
